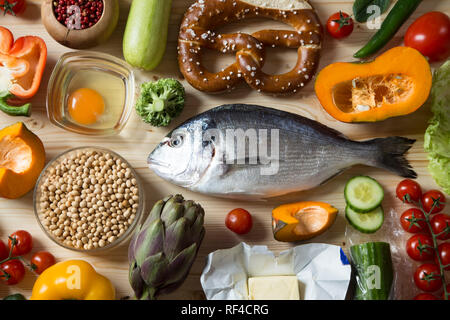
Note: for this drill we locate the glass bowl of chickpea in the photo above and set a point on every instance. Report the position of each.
(89, 199)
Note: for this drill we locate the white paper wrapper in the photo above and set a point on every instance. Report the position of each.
(322, 270)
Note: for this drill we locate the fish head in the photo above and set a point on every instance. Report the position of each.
(182, 157)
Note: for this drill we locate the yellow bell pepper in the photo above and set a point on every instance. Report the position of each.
(72, 280)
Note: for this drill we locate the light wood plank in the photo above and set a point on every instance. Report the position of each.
(138, 139)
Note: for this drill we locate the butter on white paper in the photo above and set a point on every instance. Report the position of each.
(322, 270)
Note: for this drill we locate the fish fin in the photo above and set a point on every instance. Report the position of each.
(332, 177)
(391, 155)
(296, 118)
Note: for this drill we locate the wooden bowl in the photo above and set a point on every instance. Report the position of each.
(86, 38)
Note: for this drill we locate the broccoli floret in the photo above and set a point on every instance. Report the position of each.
(160, 101)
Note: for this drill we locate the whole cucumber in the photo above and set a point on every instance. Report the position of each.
(144, 41)
(374, 271)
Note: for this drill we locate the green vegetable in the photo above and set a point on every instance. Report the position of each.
(374, 273)
(160, 101)
(16, 296)
(368, 222)
(437, 135)
(145, 37)
(394, 20)
(363, 194)
(23, 110)
(360, 8)
(163, 250)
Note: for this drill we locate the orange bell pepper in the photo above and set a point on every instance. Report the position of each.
(22, 65)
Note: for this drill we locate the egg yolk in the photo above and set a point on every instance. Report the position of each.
(86, 106)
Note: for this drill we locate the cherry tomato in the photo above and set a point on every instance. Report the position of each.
(239, 221)
(427, 277)
(42, 260)
(430, 34)
(408, 190)
(420, 247)
(444, 254)
(4, 252)
(24, 243)
(12, 271)
(340, 25)
(440, 224)
(428, 199)
(413, 221)
(13, 7)
(425, 296)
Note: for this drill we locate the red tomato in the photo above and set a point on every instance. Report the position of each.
(430, 34)
(24, 243)
(444, 254)
(428, 199)
(408, 190)
(340, 25)
(420, 247)
(42, 260)
(425, 296)
(427, 277)
(440, 224)
(4, 252)
(13, 7)
(239, 221)
(12, 271)
(413, 221)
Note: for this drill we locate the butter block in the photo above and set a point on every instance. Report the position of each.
(273, 288)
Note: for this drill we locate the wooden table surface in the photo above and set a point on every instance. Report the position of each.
(138, 139)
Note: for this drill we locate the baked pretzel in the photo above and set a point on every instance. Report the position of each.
(204, 16)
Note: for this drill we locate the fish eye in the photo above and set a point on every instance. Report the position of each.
(176, 141)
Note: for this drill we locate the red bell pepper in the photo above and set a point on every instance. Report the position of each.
(22, 65)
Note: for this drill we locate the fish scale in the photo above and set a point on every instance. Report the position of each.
(309, 153)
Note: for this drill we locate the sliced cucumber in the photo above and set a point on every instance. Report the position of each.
(368, 222)
(363, 194)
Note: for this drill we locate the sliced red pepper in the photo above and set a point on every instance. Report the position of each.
(22, 64)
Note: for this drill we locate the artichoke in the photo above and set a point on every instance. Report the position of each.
(164, 248)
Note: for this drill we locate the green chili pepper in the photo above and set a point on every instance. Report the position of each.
(401, 11)
(16, 296)
(23, 110)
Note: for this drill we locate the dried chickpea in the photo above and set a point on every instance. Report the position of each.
(88, 199)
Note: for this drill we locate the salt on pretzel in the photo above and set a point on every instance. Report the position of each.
(205, 16)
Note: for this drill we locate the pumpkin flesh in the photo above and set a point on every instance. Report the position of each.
(302, 220)
(22, 158)
(396, 83)
(15, 155)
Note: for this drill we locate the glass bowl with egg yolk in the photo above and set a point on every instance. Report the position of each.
(90, 93)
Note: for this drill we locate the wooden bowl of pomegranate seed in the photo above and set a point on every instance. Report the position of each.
(80, 24)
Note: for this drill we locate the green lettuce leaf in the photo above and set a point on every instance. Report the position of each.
(437, 135)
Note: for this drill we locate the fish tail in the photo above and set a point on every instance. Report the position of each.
(390, 155)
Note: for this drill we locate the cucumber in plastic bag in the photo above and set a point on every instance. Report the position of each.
(374, 272)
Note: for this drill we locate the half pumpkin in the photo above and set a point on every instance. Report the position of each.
(22, 158)
(302, 220)
(396, 83)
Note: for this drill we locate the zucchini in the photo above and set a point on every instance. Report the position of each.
(145, 37)
(368, 222)
(363, 194)
(374, 273)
